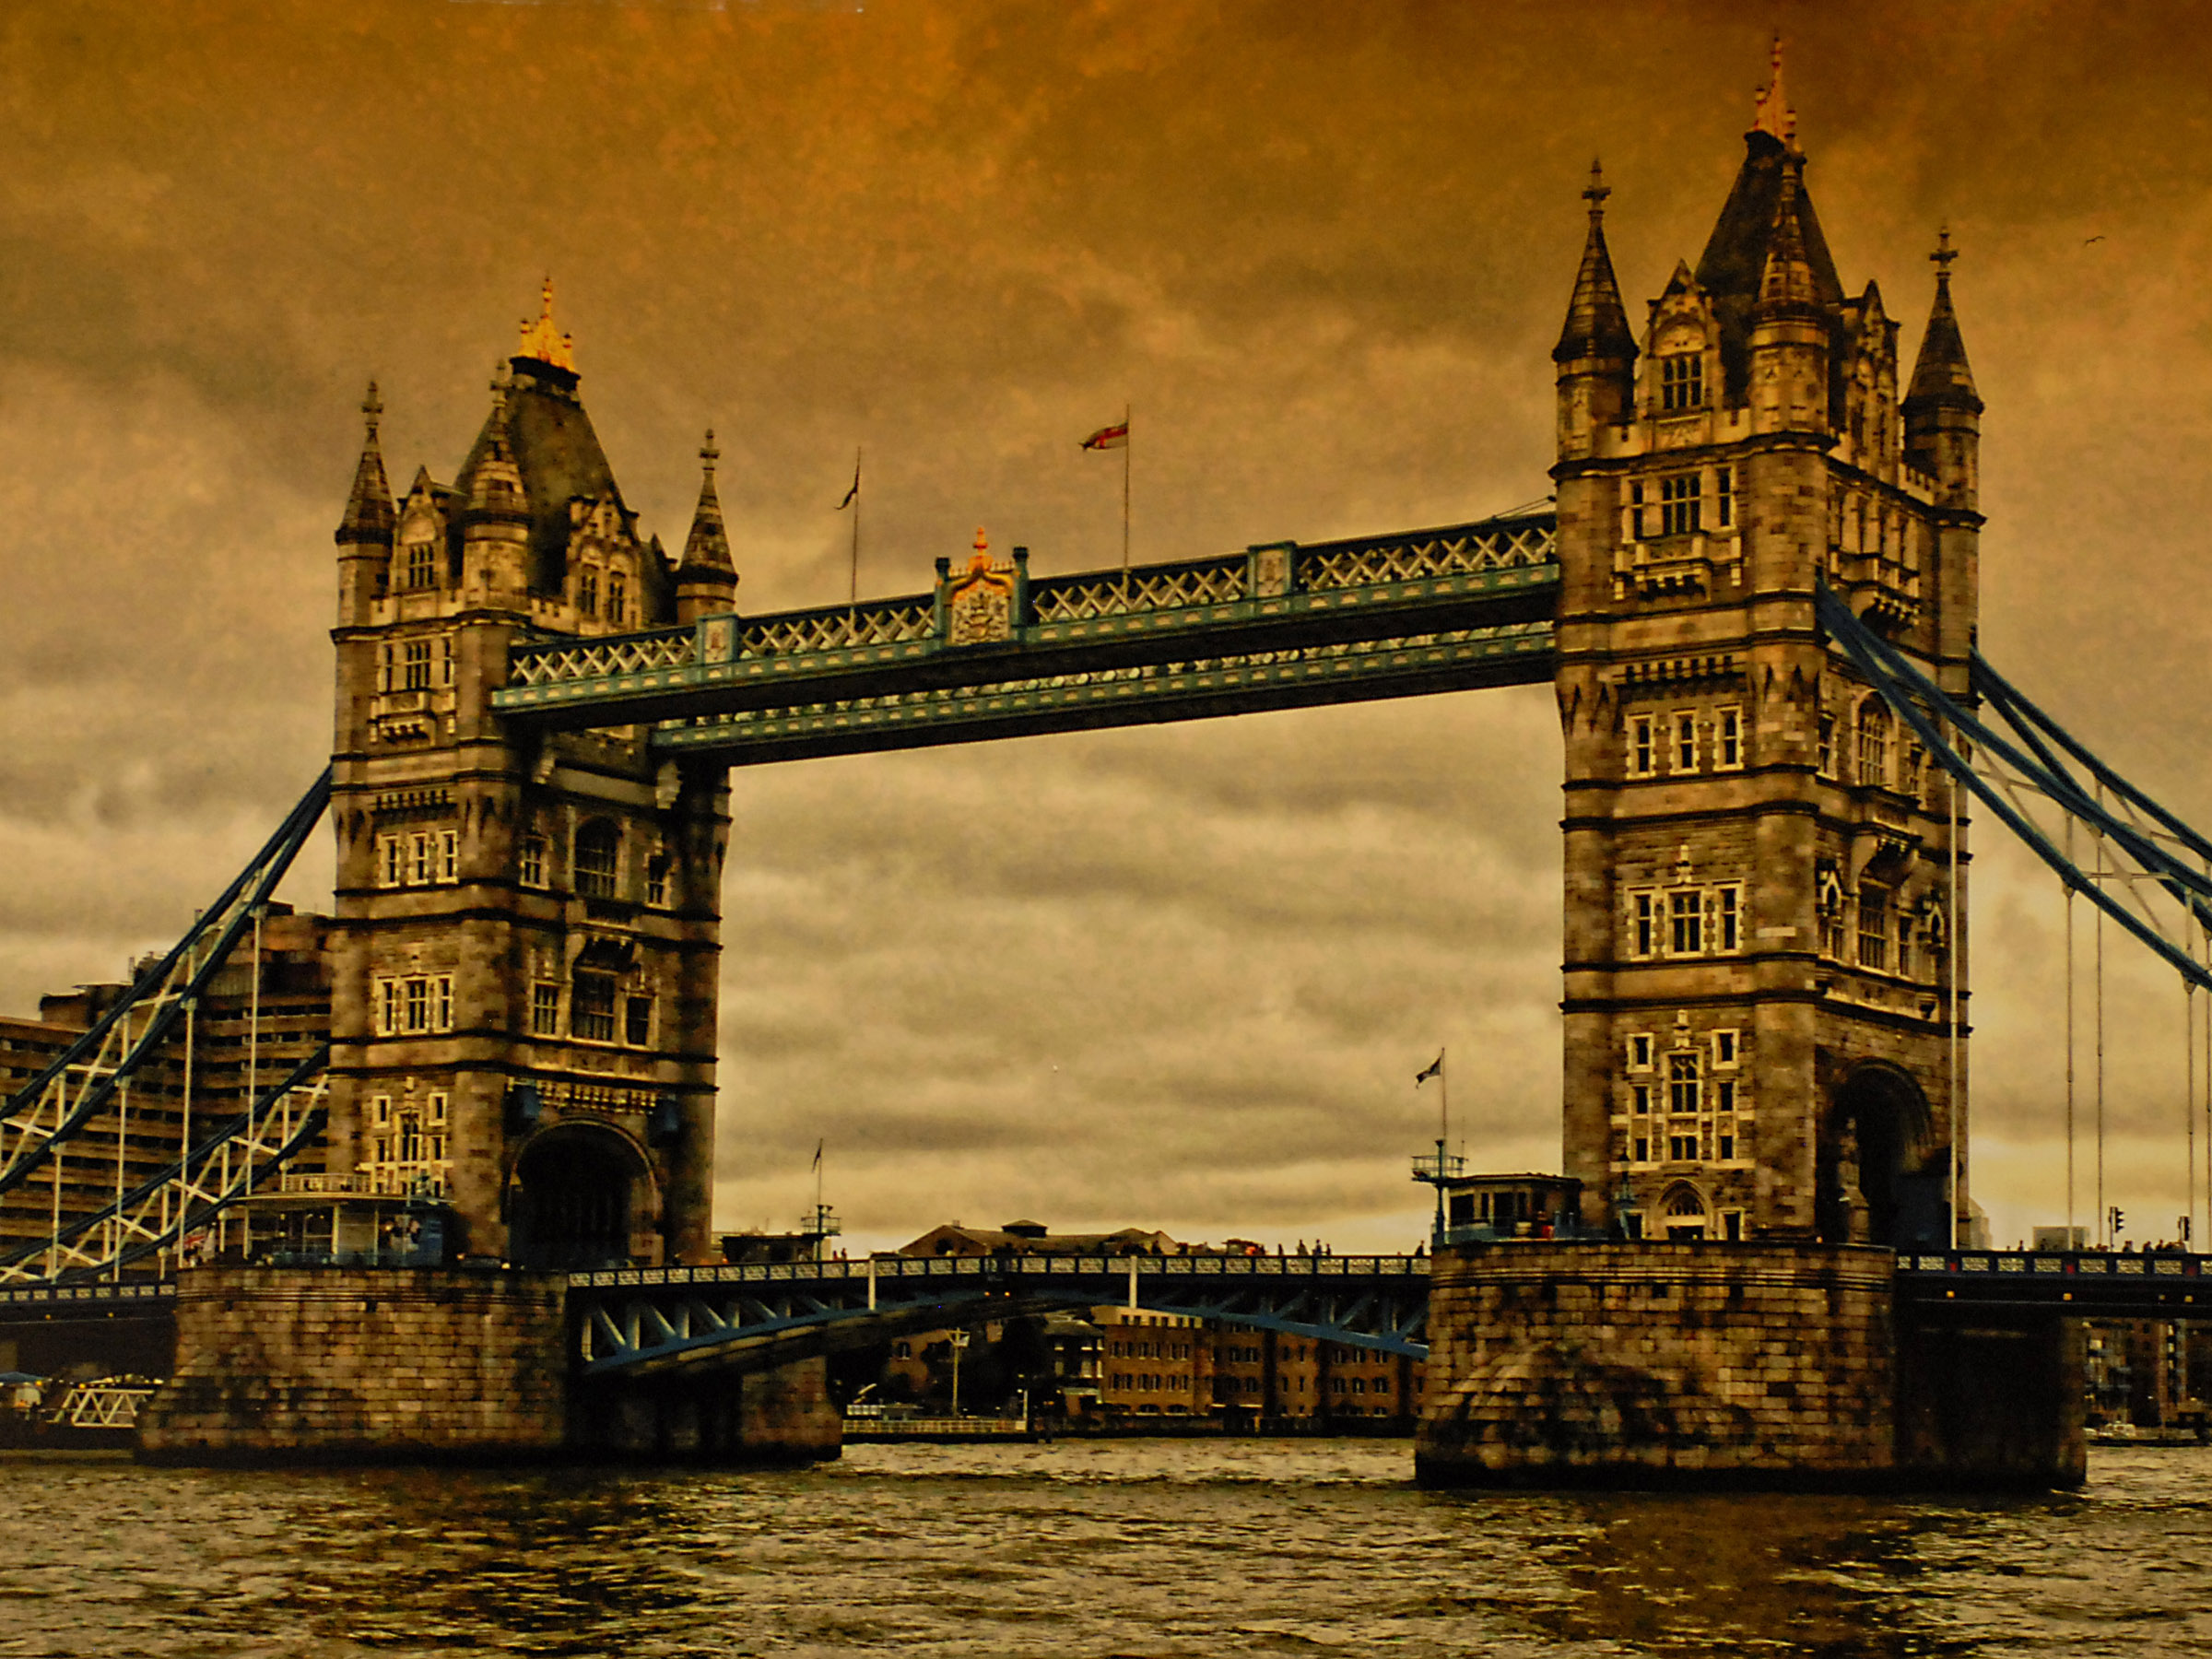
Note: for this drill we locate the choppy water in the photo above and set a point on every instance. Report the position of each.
(1124, 1547)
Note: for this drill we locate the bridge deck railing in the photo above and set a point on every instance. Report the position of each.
(1096, 603)
(1111, 1271)
(2097, 1266)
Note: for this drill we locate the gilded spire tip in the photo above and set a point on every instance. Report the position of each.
(1771, 111)
(372, 407)
(708, 453)
(544, 342)
(1944, 255)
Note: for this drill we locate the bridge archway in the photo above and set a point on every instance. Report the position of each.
(1873, 1183)
(579, 1194)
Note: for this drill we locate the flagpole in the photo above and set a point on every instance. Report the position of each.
(1128, 443)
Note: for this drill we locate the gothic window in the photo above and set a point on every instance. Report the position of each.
(1643, 923)
(422, 564)
(1726, 1044)
(1644, 751)
(1724, 498)
(1678, 504)
(1873, 926)
(414, 666)
(545, 1010)
(449, 855)
(410, 1137)
(656, 878)
(1640, 1098)
(637, 1021)
(1686, 921)
(408, 1004)
(534, 861)
(592, 1007)
(1829, 898)
(1636, 529)
(445, 662)
(1873, 742)
(1685, 1084)
(587, 590)
(394, 848)
(1828, 745)
(1686, 741)
(1728, 738)
(1904, 942)
(1727, 918)
(1682, 381)
(597, 850)
(617, 596)
(1640, 1052)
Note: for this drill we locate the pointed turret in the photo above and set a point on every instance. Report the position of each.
(369, 515)
(1941, 376)
(1790, 340)
(364, 534)
(706, 580)
(495, 514)
(1787, 285)
(1596, 353)
(1735, 268)
(1943, 410)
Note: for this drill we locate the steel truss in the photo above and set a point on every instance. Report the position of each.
(738, 1318)
(80, 1104)
(2153, 874)
(160, 1213)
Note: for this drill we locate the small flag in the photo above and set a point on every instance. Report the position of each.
(1106, 437)
(818, 1156)
(1434, 1069)
(852, 494)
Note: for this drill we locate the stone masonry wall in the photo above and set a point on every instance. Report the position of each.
(1656, 1364)
(297, 1365)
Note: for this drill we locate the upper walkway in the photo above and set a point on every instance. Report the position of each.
(995, 652)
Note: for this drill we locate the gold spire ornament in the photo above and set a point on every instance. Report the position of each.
(1771, 114)
(544, 342)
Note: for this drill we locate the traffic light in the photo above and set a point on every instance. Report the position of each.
(2119, 1220)
(2185, 1221)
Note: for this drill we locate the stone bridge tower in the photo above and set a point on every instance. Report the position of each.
(1763, 893)
(524, 995)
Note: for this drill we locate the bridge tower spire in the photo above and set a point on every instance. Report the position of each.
(1596, 353)
(524, 991)
(1758, 938)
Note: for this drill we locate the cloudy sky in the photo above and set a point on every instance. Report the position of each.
(1180, 977)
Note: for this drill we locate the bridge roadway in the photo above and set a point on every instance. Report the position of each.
(1284, 625)
(754, 1316)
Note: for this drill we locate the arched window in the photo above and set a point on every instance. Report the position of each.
(422, 563)
(1682, 381)
(597, 859)
(1873, 742)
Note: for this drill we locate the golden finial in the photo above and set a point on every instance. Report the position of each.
(1771, 111)
(1944, 255)
(544, 342)
(708, 454)
(981, 562)
(372, 407)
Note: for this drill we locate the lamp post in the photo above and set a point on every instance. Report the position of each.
(960, 1341)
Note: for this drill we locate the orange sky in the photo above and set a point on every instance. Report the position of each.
(1180, 977)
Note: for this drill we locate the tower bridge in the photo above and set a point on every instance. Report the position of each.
(1755, 594)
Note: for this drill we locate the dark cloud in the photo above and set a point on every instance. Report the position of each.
(1178, 976)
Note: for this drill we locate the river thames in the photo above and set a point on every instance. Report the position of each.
(1105, 1548)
